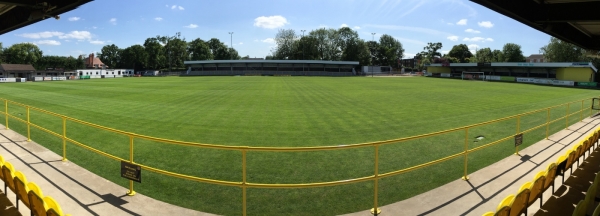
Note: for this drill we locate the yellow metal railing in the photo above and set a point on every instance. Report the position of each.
(244, 149)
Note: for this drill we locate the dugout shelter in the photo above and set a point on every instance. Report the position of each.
(270, 68)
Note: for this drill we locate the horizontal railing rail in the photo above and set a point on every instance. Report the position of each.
(244, 149)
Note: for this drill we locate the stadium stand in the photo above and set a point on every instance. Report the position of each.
(28, 193)
(529, 192)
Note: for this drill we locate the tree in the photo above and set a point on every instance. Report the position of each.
(374, 52)
(110, 55)
(461, 52)
(306, 48)
(218, 49)
(199, 50)
(285, 43)
(233, 53)
(356, 50)
(390, 50)
(512, 53)
(80, 63)
(561, 51)
(155, 52)
(484, 55)
(497, 56)
(431, 50)
(135, 57)
(23, 53)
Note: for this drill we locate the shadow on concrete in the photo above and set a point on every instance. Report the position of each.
(106, 198)
(6, 207)
(535, 168)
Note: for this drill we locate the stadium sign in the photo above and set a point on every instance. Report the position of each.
(592, 84)
(580, 63)
(518, 139)
(563, 82)
(525, 64)
(526, 80)
(131, 171)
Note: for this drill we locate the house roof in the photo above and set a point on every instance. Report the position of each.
(96, 61)
(17, 67)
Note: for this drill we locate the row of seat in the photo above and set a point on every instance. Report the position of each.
(530, 191)
(28, 192)
(590, 197)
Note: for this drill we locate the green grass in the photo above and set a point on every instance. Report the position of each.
(287, 111)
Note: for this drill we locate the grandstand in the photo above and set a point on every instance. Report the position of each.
(270, 68)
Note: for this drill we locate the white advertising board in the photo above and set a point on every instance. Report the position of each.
(563, 82)
(526, 79)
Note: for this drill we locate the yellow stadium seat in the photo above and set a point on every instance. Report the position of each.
(504, 206)
(53, 209)
(572, 156)
(36, 203)
(579, 149)
(537, 188)
(21, 188)
(586, 147)
(8, 176)
(519, 203)
(1, 175)
(596, 211)
(579, 210)
(550, 175)
(488, 214)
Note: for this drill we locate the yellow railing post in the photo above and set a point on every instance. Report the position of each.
(465, 177)
(375, 210)
(64, 138)
(6, 112)
(131, 192)
(581, 112)
(244, 182)
(518, 129)
(28, 126)
(547, 123)
(567, 117)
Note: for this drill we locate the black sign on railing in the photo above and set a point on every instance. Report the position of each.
(518, 139)
(131, 171)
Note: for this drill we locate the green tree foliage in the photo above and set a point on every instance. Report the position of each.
(512, 53)
(460, 53)
(66, 63)
(390, 50)
(431, 50)
(135, 57)
(560, 51)
(22, 53)
(306, 48)
(199, 50)
(285, 44)
(110, 55)
(218, 49)
(497, 56)
(374, 52)
(155, 51)
(484, 55)
(233, 53)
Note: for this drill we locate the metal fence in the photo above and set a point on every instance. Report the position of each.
(581, 112)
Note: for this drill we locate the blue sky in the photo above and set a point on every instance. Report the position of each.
(255, 23)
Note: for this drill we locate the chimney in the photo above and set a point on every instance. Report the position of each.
(90, 60)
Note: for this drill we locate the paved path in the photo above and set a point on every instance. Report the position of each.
(81, 192)
(488, 186)
(78, 191)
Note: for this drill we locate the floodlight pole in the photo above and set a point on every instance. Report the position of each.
(373, 39)
(302, 47)
(231, 44)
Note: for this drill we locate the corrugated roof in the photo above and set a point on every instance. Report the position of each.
(16, 67)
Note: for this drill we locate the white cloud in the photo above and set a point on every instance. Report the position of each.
(270, 22)
(473, 47)
(79, 35)
(410, 28)
(452, 38)
(489, 39)
(407, 40)
(48, 42)
(98, 42)
(486, 24)
(268, 40)
(74, 18)
(474, 39)
(158, 18)
(113, 21)
(409, 55)
(175, 7)
(462, 22)
(472, 31)
(445, 51)
(357, 27)
(343, 25)
(94, 27)
(450, 23)
(323, 26)
(166, 5)
(46, 34)
(191, 26)
(241, 43)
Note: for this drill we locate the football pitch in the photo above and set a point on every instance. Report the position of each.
(288, 112)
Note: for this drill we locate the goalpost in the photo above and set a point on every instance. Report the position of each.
(473, 75)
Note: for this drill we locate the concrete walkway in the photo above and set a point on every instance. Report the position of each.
(488, 186)
(77, 190)
(81, 192)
